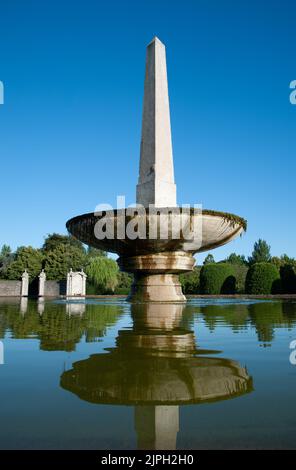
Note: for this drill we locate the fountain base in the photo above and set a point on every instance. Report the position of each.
(156, 288)
(156, 276)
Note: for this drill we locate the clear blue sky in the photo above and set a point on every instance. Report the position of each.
(70, 126)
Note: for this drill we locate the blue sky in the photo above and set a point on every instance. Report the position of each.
(70, 126)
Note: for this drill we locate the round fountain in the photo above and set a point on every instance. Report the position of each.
(157, 239)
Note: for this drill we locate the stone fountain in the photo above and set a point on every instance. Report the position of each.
(157, 260)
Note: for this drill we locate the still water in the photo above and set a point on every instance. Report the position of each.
(103, 374)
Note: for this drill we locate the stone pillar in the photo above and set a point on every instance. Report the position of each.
(25, 284)
(42, 279)
(76, 283)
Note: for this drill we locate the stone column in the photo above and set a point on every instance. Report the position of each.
(83, 282)
(25, 284)
(69, 283)
(42, 279)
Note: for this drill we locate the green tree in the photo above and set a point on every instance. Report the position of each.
(124, 282)
(55, 239)
(26, 257)
(261, 253)
(102, 272)
(233, 258)
(59, 260)
(92, 252)
(6, 257)
(209, 259)
(282, 261)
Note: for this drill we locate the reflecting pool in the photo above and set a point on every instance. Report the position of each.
(104, 374)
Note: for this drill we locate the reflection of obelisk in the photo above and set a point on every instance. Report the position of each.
(156, 367)
(157, 427)
(156, 178)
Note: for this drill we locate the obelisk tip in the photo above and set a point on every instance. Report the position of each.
(155, 40)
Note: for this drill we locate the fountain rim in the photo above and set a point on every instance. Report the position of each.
(229, 217)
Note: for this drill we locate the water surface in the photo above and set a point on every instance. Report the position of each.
(103, 374)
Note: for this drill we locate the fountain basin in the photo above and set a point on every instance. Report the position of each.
(150, 247)
(215, 229)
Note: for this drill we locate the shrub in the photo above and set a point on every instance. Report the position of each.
(262, 278)
(124, 283)
(217, 278)
(190, 281)
(240, 274)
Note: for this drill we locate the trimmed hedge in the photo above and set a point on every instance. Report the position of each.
(262, 278)
(217, 278)
(190, 281)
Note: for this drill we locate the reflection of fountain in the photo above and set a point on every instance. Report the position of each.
(157, 258)
(156, 367)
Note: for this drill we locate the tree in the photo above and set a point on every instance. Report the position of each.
(6, 257)
(102, 272)
(59, 260)
(233, 258)
(124, 282)
(282, 261)
(55, 239)
(26, 257)
(92, 252)
(261, 253)
(209, 259)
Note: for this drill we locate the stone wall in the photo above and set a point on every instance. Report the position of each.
(10, 288)
(54, 288)
(49, 288)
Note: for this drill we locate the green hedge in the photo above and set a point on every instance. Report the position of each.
(190, 281)
(217, 278)
(262, 278)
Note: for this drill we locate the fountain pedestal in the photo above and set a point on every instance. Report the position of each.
(156, 276)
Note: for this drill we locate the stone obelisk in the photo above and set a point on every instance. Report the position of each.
(156, 183)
